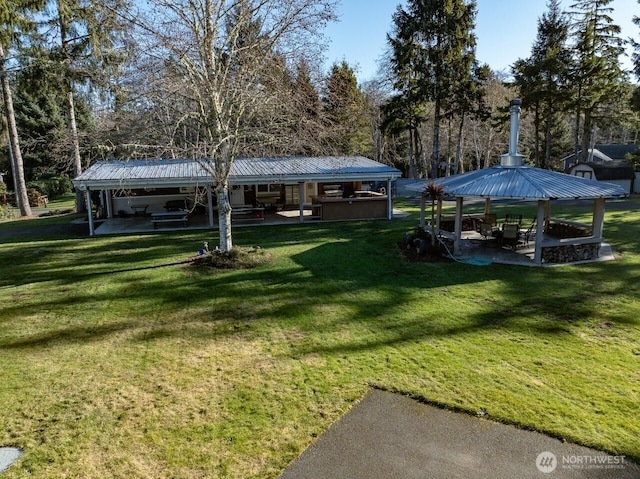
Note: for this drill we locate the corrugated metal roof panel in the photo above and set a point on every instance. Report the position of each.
(522, 182)
(134, 173)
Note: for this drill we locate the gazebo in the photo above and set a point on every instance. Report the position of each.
(512, 180)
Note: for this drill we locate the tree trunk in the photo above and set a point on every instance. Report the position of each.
(457, 162)
(547, 138)
(20, 185)
(586, 134)
(224, 217)
(435, 155)
(412, 153)
(81, 205)
(537, 133)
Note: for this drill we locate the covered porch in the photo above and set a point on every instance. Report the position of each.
(139, 224)
(177, 194)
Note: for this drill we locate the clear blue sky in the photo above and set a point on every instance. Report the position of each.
(505, 31)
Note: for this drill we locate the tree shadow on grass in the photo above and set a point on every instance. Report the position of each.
(361, 280)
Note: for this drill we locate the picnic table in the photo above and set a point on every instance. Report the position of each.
(248, 212)
(170, 217)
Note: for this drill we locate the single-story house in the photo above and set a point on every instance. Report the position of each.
(332, 187)
(600, 153)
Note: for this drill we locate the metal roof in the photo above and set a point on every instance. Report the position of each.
(522, 182)
(181, 172)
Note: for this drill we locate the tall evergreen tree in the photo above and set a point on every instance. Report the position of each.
(542, 79)
(14, 18)
(89, 36)
(345, 109)
(435, 42)
(406, 110)
(307, 127)
(598, 77)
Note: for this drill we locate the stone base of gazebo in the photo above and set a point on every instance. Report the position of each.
(555, 252)
(571, 253)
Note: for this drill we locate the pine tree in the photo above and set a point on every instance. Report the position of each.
(89, 36)
(432, 55)
(598, 77)
(542, 79)
(345, 106)
(14, 17)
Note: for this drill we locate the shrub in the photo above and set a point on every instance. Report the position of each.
(52, 186)
(7, 212)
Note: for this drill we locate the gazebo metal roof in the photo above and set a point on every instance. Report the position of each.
(522, 182)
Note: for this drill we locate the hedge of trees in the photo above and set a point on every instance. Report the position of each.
(117, 79)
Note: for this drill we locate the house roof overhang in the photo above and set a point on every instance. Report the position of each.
(175, 173)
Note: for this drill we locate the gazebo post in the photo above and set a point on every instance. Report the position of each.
(540, 219)
(457, 244)
(423, 206)
(598, 217)
(487, 206)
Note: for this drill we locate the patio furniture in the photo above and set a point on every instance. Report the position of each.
(510, 235)
(169, 217)
(530, 233)
(175, 205)
(513, 219)
(488, 226)
(248, 212)
(139, 210)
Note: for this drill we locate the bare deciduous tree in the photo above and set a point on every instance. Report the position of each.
(226, 57)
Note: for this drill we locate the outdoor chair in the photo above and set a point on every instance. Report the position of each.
(531, 232)
(510, 235)
(513, 219)
(488, 225)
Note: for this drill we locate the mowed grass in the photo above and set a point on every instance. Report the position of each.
(120, 360)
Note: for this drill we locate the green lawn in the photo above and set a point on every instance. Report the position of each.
(119, 360)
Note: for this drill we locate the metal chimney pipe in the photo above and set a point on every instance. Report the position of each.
(513, 158)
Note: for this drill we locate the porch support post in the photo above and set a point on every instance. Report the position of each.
(210, 206)
(87, 195)
(540, 219)
(457, 244)
(109, 201)
(301, 185)
(423, 205)
(389, 200)
(598, 218)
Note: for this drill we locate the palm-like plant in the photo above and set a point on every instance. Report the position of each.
(435, 193)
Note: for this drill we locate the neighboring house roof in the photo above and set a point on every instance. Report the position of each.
(601, 153)
(182, 172)
(617, 152)
(522, 182)
(611, 170)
